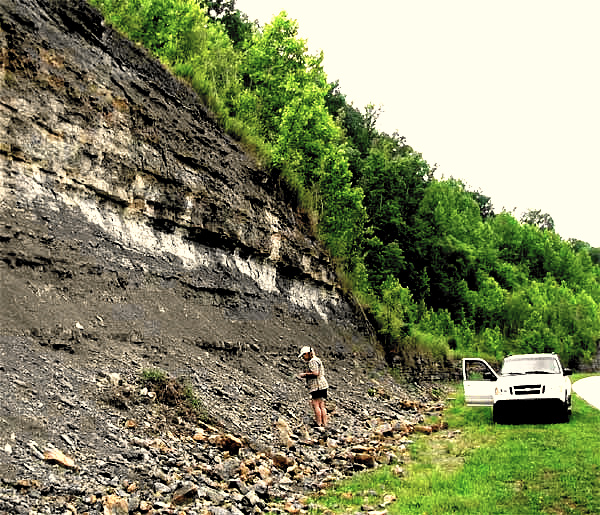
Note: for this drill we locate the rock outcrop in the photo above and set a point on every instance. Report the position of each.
(135, 236)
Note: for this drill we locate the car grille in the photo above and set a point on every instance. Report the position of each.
(527, 389)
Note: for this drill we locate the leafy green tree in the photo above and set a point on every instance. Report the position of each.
(516, 310)
(509, 234)
(342, 215)
(394, 179)
(538, 219)
(560, 320)
(285, 101)
(172, 29)
(307, 136)
(236, 23)
(395, 312)
(578, 245)
(357, 128)
(451, 228)
(486, 208)
(276, 68)
(487, 303)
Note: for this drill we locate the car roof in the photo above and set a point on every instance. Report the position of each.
(536, 355)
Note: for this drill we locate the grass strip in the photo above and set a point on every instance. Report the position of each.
(477, 466)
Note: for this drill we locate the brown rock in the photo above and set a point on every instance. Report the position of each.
(115, 505)
(226, 442)
(427, 430)
(263, 471)
(385, 429)
(56, 456)
(200, 435)
(282, 461)
(244, 470)
(401, 428)
(26, 483)
(184, 494)
(284, 432)
(365, 459)
(292, 507)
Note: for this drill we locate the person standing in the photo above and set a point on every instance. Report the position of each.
(316, 383)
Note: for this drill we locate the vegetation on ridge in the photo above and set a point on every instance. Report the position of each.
(431, 262)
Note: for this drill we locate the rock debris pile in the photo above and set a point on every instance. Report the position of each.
(88, 434)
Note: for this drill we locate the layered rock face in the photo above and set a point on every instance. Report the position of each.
(97, 136)
(128, 217)
(136, 236)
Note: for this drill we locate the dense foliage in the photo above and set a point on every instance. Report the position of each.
(429, 260)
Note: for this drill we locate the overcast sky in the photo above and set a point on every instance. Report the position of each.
(504, 95)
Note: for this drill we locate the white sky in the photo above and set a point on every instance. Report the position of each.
(504, 95)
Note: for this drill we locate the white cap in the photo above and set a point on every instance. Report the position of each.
(304, 350)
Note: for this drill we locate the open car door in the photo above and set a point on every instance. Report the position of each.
(479, 381)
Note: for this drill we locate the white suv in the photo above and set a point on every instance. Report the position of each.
(527, 383)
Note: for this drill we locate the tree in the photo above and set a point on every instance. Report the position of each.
(236, 23)
(285, 100)
(484, 202)
(276, 68)
(394, 179)
(395, 311)
(354, 124)
(578, 245)
(451, 232)
(538, 219)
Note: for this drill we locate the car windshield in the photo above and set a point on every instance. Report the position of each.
(530, 365)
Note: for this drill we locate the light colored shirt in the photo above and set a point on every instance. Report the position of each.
(313, 384)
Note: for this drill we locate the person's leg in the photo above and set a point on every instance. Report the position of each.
(320, 411)
(317, 410)
(323, 410)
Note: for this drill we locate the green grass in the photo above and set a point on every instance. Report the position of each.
(176, 393)
(480, 467)
(154, 375)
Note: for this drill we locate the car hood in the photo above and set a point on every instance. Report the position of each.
(529, 378)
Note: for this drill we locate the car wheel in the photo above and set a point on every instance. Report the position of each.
(566, 411)
(498, 415)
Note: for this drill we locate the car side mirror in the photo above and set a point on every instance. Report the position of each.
(488, 376)
(567, 371)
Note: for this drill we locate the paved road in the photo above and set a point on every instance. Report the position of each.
(588, 389)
